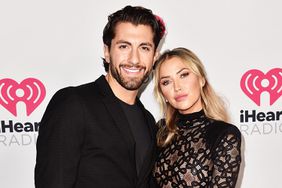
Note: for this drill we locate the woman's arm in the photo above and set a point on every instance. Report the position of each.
(227, 159)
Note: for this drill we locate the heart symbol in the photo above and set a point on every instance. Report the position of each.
(254, 82)
(30, 91)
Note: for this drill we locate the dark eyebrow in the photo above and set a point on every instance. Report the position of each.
(123, 41)
(146, 44)
(128, 43)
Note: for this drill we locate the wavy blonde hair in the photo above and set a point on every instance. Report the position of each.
(213, 105)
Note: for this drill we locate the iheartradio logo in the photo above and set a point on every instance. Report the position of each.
(254, 82)
(30, 91)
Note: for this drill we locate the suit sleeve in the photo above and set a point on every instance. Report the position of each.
(59, 141)
(227, 159)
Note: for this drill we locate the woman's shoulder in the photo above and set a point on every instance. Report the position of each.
(218, 130)
(222, 127)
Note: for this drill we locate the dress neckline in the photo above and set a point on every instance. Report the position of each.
(190, 120)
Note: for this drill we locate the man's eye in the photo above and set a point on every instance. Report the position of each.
(146, 48)
(123, 46)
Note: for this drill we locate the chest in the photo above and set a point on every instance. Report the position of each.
(187, 158)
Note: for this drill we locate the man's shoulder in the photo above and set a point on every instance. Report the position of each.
(82, 88)
(71, 93)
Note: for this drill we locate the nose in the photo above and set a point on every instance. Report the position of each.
(177, 86)
(134, 56)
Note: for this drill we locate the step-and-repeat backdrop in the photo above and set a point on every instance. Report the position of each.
(47, 45)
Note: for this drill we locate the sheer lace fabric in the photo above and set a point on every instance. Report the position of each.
(194, 160)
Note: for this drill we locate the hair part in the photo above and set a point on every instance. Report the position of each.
(213, 105)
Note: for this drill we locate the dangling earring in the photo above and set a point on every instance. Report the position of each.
(166, 100)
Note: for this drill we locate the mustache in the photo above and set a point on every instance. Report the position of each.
(132, 66)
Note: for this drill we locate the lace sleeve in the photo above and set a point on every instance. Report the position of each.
(227, 159)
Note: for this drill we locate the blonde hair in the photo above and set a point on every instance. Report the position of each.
(213, 105)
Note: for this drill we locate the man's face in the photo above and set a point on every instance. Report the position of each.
(131, 55)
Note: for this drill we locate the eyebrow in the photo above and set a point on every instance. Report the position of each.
(142, 44)
(123, 41)
(181, 70)
(147, 44)
(176, 73)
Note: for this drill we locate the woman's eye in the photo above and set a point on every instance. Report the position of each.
(183, 75)
(165, 82)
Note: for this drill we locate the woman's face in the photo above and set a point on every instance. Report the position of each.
(180, 86)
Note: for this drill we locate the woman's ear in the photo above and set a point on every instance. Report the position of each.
(202, 82)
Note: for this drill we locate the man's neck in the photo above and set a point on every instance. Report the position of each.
(125, 95)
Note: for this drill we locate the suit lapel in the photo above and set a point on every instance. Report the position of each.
(115, 110)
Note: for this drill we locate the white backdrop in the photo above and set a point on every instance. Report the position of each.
(59, 43)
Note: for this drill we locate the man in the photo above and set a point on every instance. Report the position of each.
(99, 134)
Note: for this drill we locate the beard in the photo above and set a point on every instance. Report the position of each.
(132, 83)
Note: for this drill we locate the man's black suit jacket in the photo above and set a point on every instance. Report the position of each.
(85, 141)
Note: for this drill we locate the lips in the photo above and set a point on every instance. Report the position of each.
(132, 69)
(180, 97)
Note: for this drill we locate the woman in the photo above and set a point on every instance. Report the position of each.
(198, 147)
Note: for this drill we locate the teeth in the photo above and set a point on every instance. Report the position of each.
(132, 70)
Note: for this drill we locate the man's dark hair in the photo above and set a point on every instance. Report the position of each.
(135, 15)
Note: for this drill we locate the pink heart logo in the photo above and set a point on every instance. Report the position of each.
(30, 91)
(254, 82)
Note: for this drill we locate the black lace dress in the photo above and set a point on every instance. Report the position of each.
(205, 153)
